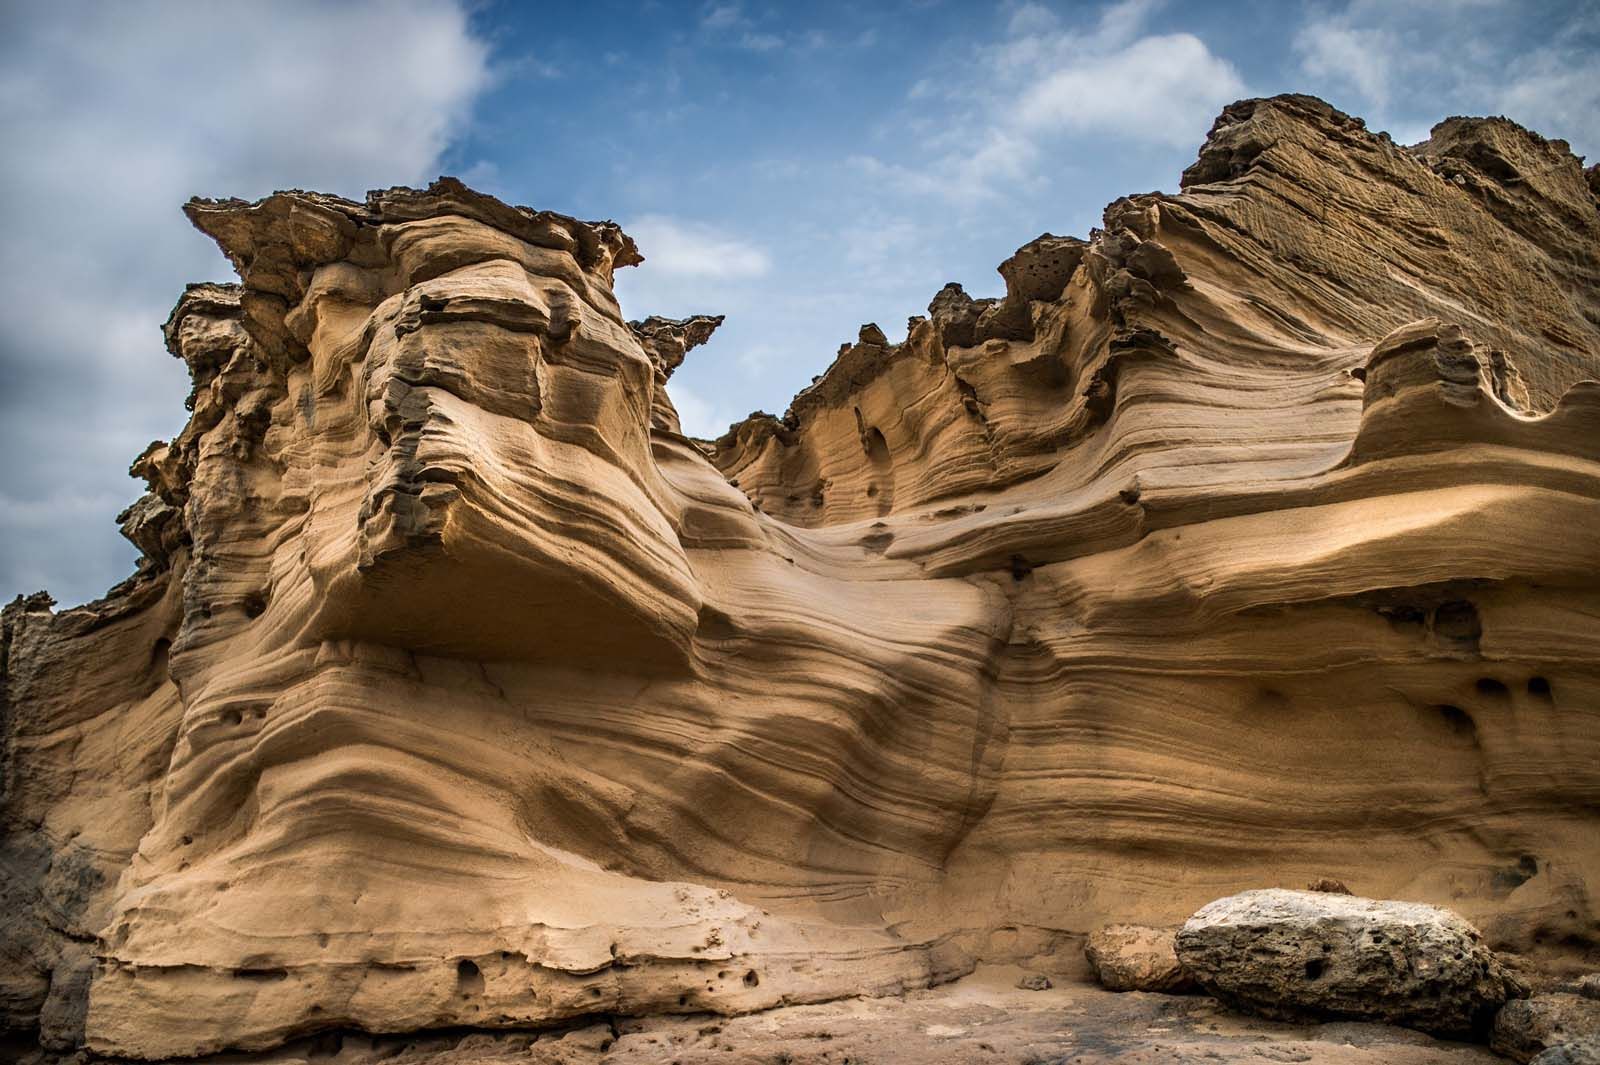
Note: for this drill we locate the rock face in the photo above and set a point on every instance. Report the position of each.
(1250, 540)
(1129, 957)
(1527, 1027)
(1303, 954)
(1577, 1052)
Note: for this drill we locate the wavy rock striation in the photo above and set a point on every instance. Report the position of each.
(1253, 539)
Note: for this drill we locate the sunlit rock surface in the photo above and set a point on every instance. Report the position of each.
(1253, 540)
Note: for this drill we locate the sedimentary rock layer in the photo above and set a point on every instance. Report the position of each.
(1252, 540)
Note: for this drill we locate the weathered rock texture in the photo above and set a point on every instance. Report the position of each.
(1130, 957)
(1301, 955)
(1527, 1027)
(1577, 1052)
(1252, 540)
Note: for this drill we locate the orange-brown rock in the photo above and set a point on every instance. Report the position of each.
(1252, 540)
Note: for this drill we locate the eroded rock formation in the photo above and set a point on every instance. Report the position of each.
(1252, 540)
(1310, 954)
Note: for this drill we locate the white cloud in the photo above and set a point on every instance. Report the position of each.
(1557, 92)
(1121, 22)
(678, 248)
(728, 24)
(1032, 18)
(722, 17)
(1044, 83)
(760, 42)
(1360, 58)
(1404, 66)
(1158, 89)
(110, 123)
(699, 416)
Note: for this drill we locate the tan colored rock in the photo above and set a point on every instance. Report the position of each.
(1127, 957)
(1526, 1028)
(456, 688)
(1305, 954)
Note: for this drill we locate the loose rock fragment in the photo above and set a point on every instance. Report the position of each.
(1301, 954)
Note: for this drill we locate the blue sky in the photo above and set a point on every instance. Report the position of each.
(800, 168)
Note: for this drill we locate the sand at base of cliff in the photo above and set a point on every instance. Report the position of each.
(983, 1018)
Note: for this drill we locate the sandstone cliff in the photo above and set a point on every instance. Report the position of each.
(1254, 539)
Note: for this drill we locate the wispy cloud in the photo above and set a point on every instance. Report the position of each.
(111, 122)
(1161, 89)
(1399, 64)
(1044, 81)
(700, 416)
(760, 42)
(722, 17)
(676, 247)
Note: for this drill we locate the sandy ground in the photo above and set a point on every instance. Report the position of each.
(983, 1018)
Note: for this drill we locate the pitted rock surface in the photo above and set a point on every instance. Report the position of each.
(1301, 954)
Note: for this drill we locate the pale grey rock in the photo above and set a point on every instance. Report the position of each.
(1525, 1028)
(1295, 955)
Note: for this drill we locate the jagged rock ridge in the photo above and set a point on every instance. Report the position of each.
(1251, 540)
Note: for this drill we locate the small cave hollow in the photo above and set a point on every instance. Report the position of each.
(1457, 720)
(1491, 688)
(1458, 623)
(469, 978)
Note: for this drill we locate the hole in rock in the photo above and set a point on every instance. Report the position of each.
(254, 606)
(1400, 616)
(683, 1000)
(751, 979)
(163, 649)
(1512, 877)
(1459, 720)
(326, 1045)
(1020, 567)
(232, 717)
(1129, 495)
(1314, 968)
(1492, 688)
(265, 975)
(1539, 687)
(877, 446)
(1458, 622)
(469, 978)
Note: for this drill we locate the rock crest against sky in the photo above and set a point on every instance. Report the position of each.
(800, 169)
(1251, 541)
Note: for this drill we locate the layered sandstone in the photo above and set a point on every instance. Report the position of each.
(1252, 540)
